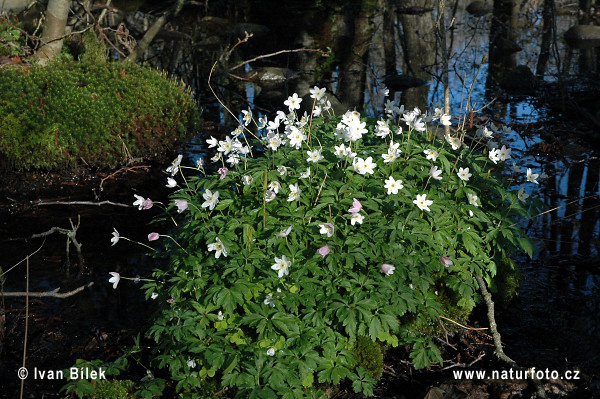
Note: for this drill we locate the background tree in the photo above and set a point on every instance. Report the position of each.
(53, 30)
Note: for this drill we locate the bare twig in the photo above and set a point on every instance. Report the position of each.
(44, 202)
(125, 169)
(52, 294)
(26, 325)
(24, 259)
(463, 326)
(277, 53)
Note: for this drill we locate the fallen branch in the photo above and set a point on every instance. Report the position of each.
(71, 239)
(52, 294)
(126, 169)
(277, 53)
(44, 202)
(487, 297)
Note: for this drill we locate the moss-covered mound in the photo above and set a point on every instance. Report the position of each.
(99, 114)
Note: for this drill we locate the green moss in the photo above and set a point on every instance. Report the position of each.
(113, 389)
(94, 51)
(507, 281)
(369, 356)
(91, 112)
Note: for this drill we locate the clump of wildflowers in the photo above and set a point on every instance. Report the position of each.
(339, 227)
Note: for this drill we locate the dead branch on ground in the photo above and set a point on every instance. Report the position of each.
(52, 294)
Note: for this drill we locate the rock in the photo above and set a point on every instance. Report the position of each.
(14, 5)
(270, 77)
(210, 43)
(478, 8)
(403, 82)
(519, 80)
(583, 36)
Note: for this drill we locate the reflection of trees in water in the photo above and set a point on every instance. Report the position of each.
(573, 227)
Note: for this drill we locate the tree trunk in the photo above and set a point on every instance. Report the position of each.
(143, 44)
(418, 45)
(54, 29)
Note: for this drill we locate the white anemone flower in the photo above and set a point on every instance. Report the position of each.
(393, 185)
(218, 247)
(431, 154)
(115, 238)
(171, 182)
(317, 93)
(463, 174)
(285, 232)
(435, 173)
(114, 280)
(275, 186)
(327, 229)
(314, 156)
(282, 266)
(472, 199)
(422, 202)
(445, 120)
(494, 156)
(532, 177)
(211, 199)
(364, 166)
(294, 193)
(356, 218)
(504, 153)
(454, 142)
(293, 102)
(174, 168)
(522, 195)
(306, 174)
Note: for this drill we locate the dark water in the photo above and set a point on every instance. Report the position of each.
(554, 321)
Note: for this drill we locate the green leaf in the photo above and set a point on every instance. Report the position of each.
(527, 245)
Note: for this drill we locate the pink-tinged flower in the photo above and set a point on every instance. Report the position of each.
(223, 172)
(356, 206)
(153, 236)
(387, 269)
(324, 251)
(446, 261)
(114, 279)
(171, 300)
(181, 205)
(270, 195)
(326, 228)
(147, 204)
(116, 236)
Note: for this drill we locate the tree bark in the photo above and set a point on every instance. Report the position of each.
(143, 44)
(53, 30)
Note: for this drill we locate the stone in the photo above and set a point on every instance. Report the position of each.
(478, 8)
(519, 80)
(583, 36)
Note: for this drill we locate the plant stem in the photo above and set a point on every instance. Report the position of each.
(487, 297)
